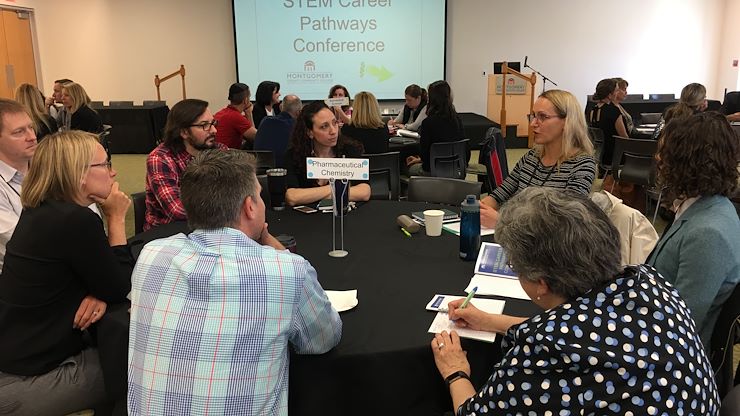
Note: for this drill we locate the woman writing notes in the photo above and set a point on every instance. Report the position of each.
(316, 134)
(414, 110)
(610, 341)
(561, 158)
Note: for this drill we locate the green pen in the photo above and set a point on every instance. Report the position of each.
(406, 232)
(470, 296)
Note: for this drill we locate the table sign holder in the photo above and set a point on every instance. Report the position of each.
(338, 202)
(338, 169)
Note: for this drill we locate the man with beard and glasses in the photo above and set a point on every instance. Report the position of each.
(190, 128)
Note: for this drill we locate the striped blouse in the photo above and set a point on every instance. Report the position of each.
(576, 174)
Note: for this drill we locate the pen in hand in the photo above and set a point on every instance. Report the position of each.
(470, 296)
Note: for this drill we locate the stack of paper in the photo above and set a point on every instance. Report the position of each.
(407, 133)
(493, 276)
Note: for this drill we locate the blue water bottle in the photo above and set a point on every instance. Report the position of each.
(469, 228)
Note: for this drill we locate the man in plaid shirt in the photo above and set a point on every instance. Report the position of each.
(190, 129)
(212, 312)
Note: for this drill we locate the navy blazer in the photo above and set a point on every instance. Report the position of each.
(700, 255)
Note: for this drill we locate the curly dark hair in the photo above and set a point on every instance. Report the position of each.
(301, 145)
(699, 155)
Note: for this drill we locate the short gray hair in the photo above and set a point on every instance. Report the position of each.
(291, 104)
(559, 237)
(215, 185)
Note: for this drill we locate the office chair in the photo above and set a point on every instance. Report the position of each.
(385, 174)
(441, 190)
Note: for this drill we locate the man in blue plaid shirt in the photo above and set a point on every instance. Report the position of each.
(213, 312)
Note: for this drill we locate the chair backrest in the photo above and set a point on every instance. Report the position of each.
(153, 103)
(655, 97)
(385, 175)
(441, 190)
(634, 160)
(449, 159)
(724, 337)
(597, 139)
(96, 104)
(493, 155)
(650, 118)
(138, 200)
(731, 103)
(264, 159)
(633, 97)
(121, 104)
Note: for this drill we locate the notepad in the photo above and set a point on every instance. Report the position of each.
(407, 133)
(442, 320)
(454, 228)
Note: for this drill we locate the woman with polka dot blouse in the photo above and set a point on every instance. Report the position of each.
(610, 341)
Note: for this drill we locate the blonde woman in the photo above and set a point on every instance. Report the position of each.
(79, 114)
(43, 123)
(366, 125)
(60, 272)
(562, 157)
(693, 100)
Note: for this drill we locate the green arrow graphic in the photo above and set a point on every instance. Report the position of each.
(381, 73)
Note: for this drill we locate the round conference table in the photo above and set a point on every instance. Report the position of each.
(383, 363)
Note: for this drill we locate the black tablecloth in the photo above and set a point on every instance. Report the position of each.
(135, 129)
(634, 108)
(383, 364)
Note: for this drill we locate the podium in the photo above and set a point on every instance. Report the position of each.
(511, 105)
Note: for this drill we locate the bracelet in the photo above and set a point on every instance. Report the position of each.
(456, 376)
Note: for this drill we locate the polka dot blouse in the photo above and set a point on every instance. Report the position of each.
(629, 348)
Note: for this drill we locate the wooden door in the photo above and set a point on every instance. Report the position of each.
(17, 64)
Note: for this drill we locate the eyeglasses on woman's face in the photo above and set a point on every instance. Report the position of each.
(541, 117)
(107, 164)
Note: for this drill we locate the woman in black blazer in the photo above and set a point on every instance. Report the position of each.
(79, 114)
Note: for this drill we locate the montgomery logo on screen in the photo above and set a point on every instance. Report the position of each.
(309, 74)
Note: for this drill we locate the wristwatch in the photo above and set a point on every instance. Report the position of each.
(456, 376)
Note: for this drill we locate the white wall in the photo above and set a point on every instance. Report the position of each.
(115, 47)
(658, 46)
(727, 75)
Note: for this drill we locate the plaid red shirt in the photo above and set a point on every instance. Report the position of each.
(163, 171)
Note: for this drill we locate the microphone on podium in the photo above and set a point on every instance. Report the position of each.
(525, 61)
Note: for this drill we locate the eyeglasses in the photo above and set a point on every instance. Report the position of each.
(206, 125)
(541, 117)
(108, 164)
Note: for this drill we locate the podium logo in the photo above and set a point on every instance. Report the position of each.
(309, 75)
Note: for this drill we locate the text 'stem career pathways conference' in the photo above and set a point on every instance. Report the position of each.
(309, 45)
